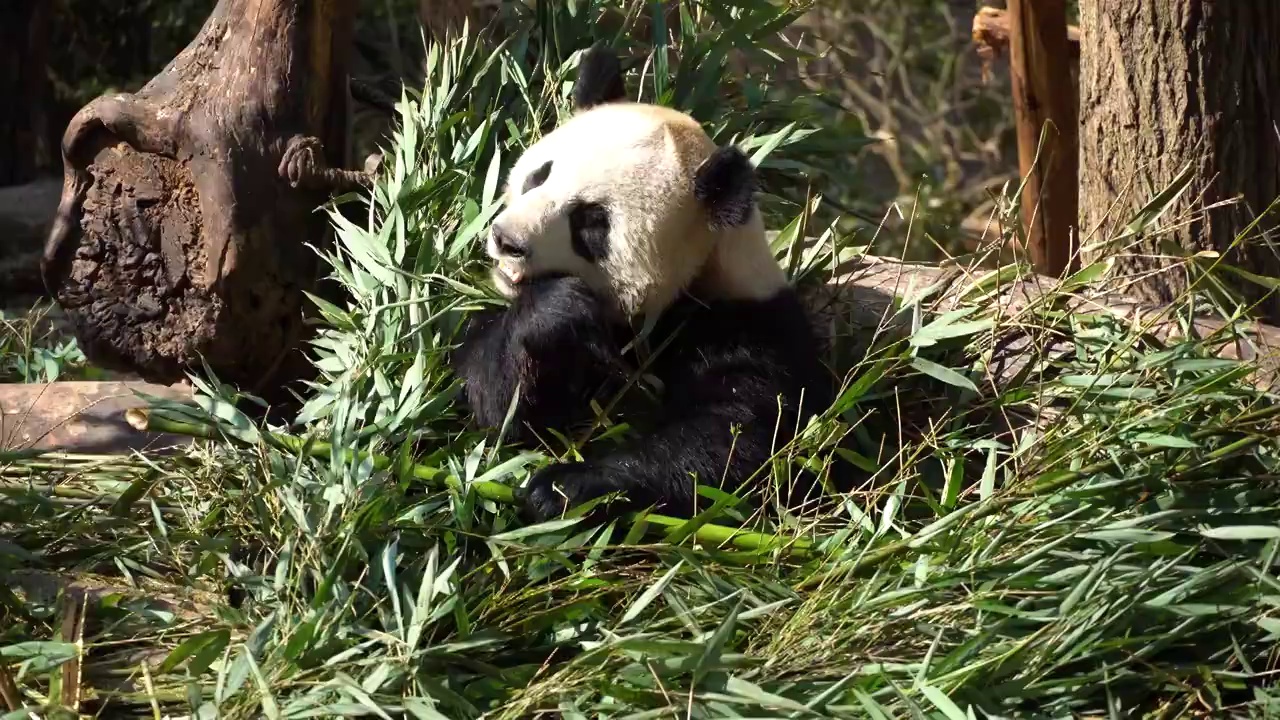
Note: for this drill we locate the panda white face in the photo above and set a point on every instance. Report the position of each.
(636, 200)
(608, 197)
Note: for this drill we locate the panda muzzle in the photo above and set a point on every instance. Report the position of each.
(511, 271)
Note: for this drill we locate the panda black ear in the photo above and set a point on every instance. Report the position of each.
(599, 79)
(726, 185)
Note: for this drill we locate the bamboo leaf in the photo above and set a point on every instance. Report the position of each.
(943, 374)
(1242, 532)
(649, 595)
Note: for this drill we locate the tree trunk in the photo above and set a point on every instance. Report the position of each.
(186, 207)
(1173, 83)
(24, 47)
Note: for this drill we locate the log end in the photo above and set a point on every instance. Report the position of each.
(134, 292)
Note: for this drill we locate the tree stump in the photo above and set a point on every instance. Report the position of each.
(188, 206)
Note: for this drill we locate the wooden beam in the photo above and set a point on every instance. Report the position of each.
(1044, 102)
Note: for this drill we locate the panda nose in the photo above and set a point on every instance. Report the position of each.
(507, 244)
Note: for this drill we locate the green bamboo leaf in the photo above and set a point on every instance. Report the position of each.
(1087, 275)
(39, 656)
(542, 528)
(650, 594)
(875, 710)
(422, 606)
(1198, 365)
(1162, 440)
(943, 703)
(473, 228)
(422, 709)
(1266, 281)
(388, 561)
(955, 478)
(943, 374)
(268, 701)
(1157, 206)
(1271, 625)
(490, 193)
(204, 647)
(987, 485)
(930, 334)
(714, 646)
(756, 694)
(1128, 536)
(771, 143)
(349, 686)
(1242, 532)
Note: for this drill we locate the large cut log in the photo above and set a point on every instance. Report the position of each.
(187, 207)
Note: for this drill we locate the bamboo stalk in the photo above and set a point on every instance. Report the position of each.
(145, 420)
(1055, 483)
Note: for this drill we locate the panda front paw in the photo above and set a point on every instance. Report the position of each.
(558, 488)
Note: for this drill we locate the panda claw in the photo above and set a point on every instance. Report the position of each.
(557, 489)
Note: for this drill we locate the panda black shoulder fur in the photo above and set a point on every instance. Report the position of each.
(624, 211)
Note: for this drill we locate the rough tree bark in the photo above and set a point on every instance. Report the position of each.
(1164, 84)
(186, 207)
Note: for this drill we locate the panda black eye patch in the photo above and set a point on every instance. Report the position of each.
(537, 177)
(589, 230)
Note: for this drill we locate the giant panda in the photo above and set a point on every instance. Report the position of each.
(627, 213)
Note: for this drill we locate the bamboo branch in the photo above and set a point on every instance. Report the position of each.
(147, 420)
(1253, 428)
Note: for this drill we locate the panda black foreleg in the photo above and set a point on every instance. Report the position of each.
(555, 343)
(658, 470)
(708, 435)
(740, 378)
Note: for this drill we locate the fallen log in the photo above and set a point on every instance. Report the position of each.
(186, 207)
(858, 304)
(81, 417)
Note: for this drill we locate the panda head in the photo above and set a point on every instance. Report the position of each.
(636, 200)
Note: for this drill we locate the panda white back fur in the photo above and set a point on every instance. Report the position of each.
(624, 211)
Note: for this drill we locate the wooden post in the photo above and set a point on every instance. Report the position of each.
(1042, 93)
